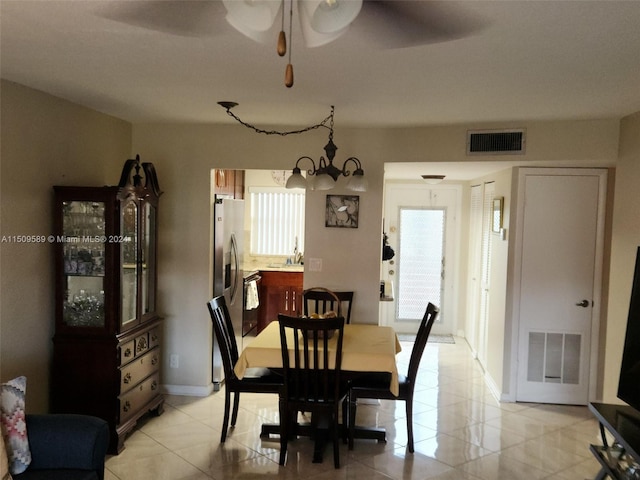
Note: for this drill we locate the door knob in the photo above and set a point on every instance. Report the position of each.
(583, 304)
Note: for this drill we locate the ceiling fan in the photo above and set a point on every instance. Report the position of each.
(382, 23)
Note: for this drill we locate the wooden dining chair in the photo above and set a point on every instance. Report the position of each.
(256, 380)
(376, 386)
(321, 300)
(312, 381)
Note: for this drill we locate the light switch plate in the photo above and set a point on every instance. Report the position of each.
(315, 264)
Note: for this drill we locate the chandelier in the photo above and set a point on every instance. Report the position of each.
(326, 173)
(321, 22)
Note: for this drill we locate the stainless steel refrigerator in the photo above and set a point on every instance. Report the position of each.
(228, 251)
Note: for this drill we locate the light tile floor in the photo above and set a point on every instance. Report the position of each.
(461, 433)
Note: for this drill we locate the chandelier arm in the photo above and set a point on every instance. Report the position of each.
(355, 160)
(309, 172)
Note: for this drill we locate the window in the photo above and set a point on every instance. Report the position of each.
(420, 260)
(277, 221)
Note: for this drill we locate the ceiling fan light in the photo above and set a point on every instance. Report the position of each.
(258, 36)
(324, 182)
(311, 37)
(331, 16)
(255, 15)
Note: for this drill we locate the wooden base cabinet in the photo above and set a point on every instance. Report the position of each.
(280, 292)
(107, 344)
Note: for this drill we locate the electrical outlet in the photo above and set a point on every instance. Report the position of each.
(174, 361)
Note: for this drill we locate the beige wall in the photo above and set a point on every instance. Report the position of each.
(185, 154)
(45, 141)
(624, 243)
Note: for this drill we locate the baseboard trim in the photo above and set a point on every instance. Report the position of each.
(188, 390)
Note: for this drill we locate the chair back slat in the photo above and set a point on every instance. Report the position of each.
(313, 378)
(321, 300)
(224, 335)
(422, 336)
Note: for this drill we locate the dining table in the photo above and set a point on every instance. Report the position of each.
(366, 349)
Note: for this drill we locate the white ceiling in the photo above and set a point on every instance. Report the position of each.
(525, 60)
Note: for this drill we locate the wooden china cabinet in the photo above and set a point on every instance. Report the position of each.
(106, 358)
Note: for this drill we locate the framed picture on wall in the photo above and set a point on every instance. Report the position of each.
(342, 211)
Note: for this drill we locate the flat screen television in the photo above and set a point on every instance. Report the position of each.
(629, 385)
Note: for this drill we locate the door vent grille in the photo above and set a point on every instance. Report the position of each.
(503, 142)
(554, 357)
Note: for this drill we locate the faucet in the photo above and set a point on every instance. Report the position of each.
(297, 256)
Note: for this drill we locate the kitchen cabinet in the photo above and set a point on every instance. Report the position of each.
(106, 346)
(280, 292)
(229, 183)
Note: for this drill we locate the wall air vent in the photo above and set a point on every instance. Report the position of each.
(495, 142)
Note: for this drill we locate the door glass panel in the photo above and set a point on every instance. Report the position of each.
(149, 259)
(420, 261)
(129, 253)
(83, 225)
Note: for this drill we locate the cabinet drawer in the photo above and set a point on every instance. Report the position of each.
(142, 343)
(132, 401)
(140, 368)
(154, 337)
(127, 352)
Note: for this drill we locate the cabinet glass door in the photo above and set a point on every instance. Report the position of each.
(149, 260)
(129, 253)
(83, 228)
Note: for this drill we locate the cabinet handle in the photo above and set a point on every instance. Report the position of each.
(154, 360)
(154, 338)
(286, 301)
(293, 300)
(127, 378)
(127, 352)
(154, 385)
(127, 406)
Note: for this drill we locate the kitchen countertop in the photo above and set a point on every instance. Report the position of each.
(272, 267)
(283, 268)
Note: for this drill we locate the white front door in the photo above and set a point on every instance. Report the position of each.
(422, 222)
(560, 224)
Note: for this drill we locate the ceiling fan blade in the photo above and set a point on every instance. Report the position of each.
(409, 23)
(190, 18)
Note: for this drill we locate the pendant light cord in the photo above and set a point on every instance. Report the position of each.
(290, 28)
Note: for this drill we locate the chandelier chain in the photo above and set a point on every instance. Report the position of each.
(323, 123)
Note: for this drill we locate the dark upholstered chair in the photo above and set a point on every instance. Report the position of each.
(377, 386)
(320, 300)
(254, 381)
(311, 379)
(66, 447)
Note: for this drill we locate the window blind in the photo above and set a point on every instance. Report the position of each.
(277, 221)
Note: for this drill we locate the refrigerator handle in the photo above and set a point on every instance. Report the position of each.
(234, 254)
